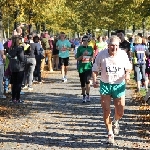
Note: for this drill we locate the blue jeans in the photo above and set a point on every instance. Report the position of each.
(140, 69)
(6, 83)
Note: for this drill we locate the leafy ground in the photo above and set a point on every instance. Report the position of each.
(53, 117)
(144, 109)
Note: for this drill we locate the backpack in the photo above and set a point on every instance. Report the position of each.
(139, 55)
(39, 54)
(14, 62)
(45, 43)
(7, 45)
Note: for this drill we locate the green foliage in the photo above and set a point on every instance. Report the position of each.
(77, 15)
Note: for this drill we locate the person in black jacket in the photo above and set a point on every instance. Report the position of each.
(17, 74)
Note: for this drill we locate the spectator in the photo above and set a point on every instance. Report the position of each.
(55, 55)
(2, 60)
(16, 52)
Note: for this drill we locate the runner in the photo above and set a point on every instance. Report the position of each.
(115, 69)
(124, 44)
(63, 46)
(84, 56)
(101, 45)
(139, 61)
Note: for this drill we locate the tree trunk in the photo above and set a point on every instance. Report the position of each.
(1, 27)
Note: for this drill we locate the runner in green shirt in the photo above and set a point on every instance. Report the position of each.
(84, 56)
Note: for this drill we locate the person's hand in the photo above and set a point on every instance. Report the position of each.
(90, 59)
(96, 84)
(127, 77)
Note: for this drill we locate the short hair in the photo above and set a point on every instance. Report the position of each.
(138, 40)
(36, 39)
(120, 31)
(62, 32)
(112, 38)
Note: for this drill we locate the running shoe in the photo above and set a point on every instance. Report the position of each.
(30, 88)
(22, 93)
(14, 101)
(20, 101)
(65, 79)
(88, 98)
(146, 89)
(84, 99)
(110, 139)
(10, 101)
(24, 88)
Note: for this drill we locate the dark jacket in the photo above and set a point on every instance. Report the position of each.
(55, 50)
(18, 53)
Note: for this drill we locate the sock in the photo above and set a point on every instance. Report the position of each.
(115, 121)
(110, 133)
(84, 95)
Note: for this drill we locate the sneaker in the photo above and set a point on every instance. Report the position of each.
(30, 88)
(24, 88)
(21, 93)
(146, 89)
(40, 82)
(3, 96)
(84, 99)
(116, 128)
(20, 101)
(14, 101)
(6, 91)
(10, 101)
(110, 139)
(87, 98)
(65, 79)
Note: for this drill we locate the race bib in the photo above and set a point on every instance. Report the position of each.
(86, 59)
(113, 72)
(63, 49)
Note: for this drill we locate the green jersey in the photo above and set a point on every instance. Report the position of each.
(84, 64)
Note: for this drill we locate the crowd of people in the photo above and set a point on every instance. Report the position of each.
(23, 59)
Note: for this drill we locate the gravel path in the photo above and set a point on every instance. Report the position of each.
(54, 118)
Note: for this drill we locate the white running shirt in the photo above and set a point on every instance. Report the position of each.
(112, 67)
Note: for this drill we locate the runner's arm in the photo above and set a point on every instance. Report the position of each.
(96, 67)
(128, 66)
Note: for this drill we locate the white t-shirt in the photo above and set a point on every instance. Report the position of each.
(1, 49)
(112, 67)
